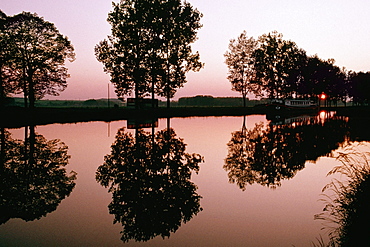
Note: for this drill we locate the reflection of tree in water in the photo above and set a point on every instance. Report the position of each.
(149, 178)
(267, 155)
(33, 178)
(346, 213)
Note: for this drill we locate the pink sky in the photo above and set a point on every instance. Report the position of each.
(336, 29)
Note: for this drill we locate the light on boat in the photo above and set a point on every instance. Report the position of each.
(323, 96)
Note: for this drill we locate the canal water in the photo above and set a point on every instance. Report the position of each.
(202, 181)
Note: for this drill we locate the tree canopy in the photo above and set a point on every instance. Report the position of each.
(359, 88)
(179, 30)
(277, 63)
(149, 48)
(34, 62)
(242, 74)
(277, 68)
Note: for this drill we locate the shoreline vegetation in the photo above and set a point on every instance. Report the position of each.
(67, 111)
(19, 117)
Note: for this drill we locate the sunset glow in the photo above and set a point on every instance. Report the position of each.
(330, 29)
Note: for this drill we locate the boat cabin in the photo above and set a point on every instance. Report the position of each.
(278, 104)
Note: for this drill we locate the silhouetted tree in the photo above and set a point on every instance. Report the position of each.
(277, 68)
(275, 61)
(7, 72)
(239, 60)
(360, 87)
(4, 56)
(178, 26)
(323, 76)
(149, 178)
(33, 176)
(125, 54)
(39, 56)
(150, 44)
(312, 82)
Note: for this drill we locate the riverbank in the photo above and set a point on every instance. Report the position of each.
(14, 117)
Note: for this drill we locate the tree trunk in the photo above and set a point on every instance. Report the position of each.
(153, 97)
(168, 102)
(168, 94)
(25, 93)
(136, 95)
(32, 94)
(2, 90)
(25, 89)
(2, 150)
(2, 96)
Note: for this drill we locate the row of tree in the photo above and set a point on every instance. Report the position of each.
(276, 68)
(32, 57)
(147, 53)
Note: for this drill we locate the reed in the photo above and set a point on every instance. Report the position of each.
(346, 212)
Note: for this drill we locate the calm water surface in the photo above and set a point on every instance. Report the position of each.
(264, 192)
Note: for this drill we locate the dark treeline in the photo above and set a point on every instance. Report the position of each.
(68, 103)
(199, 100)
(206, 100)
(276, 68)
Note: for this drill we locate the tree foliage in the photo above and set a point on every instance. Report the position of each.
(318, 76)
(149, 49)
(277, 68)
(38, 54)
(277, 63)
(239, 60)
(180, 22)
(125, 53)
(359, 88)
(7, 71)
